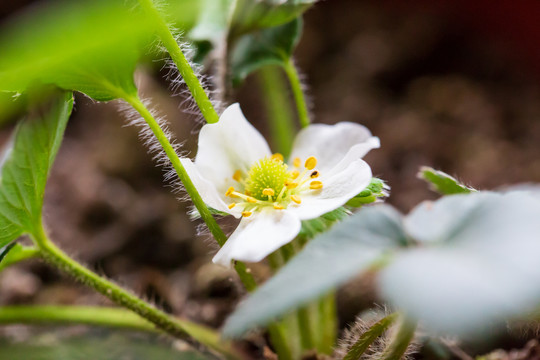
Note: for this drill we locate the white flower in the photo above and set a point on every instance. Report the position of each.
(235, 172)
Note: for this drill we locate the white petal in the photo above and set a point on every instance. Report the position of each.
(258, 236)
(230, 144)
(337, 190)
(210, 195)
(332, 143)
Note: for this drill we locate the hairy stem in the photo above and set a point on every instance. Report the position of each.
(218, 234)
(278, 108)
(56, 257)
(298, 93)
(401, 340)
(367, 338)
(185, 69)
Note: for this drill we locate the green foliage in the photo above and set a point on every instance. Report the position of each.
(270, 46)
(5, 250)
(367, 338)
(313, 227)
(375, 190)
(15, 252)
(25, 167)
(353, 246)
(91, 47)
(442, 182)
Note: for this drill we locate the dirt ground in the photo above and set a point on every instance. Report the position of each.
(436, 92)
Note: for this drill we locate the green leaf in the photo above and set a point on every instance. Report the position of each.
(91, 47)
(15, 252)
(251, 15)
(477, 265)
(213, 22)
(271, 46)
(5, 250)
(349, 248)
(25, 167)
(442, 182)
(376, 189)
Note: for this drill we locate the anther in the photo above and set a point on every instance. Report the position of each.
(297, 162)
(229, 191)
(310, 163)
(278, 207)
(296, 199)
(290, 185)
(231, 205)
(294, 174)
(268, 192)
(246, 213)
(277, 157)
(252, 200)
(314, 185)
(314, 174)
(237, 175)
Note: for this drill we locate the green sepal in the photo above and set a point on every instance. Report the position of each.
(376, 189)
(443, 183)
(313, 227)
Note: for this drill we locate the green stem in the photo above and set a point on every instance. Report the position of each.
(56, 257)
(215, 230)
(401, 341)
(24, 253)
(326, 325)
(185, 69)
(298, 93)
(368, 337)
(305, 326)
(278, 108)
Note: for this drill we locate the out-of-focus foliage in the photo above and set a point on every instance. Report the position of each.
(442, 182)
(271, 46)
(329, 260)
(91, 47)
(25, 166)
(477, 263)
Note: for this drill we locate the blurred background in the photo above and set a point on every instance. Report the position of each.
(452, 85)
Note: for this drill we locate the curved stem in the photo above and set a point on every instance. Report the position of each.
(298, 93)
(55, 256)
(215, 230)
(399, 344)
(185, 69)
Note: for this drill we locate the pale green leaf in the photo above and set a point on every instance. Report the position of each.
(442, 182)
(91, 47)
(270, 46)
(349, 248)
(25, 166)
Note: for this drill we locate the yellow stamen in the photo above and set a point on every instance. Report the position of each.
(297, 162)
(296, 199)
(268, 192)
(278, 207)
(253, 200)
(310, 163)
(246, 213)
(231, 205)
(314, 185)
(314, 174)
(294, 174)
(229, 191)
(247, 193)
(277, 157)
(290, 185)
(237, 175)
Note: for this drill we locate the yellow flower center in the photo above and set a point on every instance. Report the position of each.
(269, 182)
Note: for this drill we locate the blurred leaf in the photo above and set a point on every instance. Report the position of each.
(478, 264)
(314, 227)
(250, 15)
(112, 346)
(90, 47)
(213, 22)
(329, 260)
(25, 166)
(442, 182)
(271, 46)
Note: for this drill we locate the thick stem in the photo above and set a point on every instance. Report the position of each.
(215, 230)
(401, 341)
(56, 257)
(280, 116)
(185, 69)
(298, 93)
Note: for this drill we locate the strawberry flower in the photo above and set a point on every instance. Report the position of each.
(235, 172)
